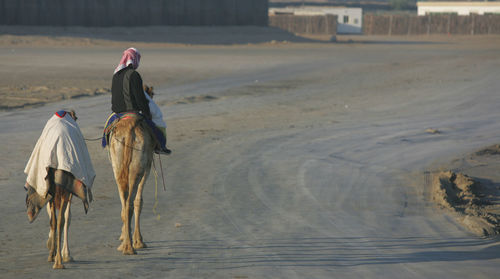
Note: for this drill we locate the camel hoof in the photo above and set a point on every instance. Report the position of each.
(139, 245)
(126, 249)
(68, 259)
(129, 252)
(58, 266)
(50, 258)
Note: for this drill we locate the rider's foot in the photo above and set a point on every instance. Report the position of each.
(164, 151)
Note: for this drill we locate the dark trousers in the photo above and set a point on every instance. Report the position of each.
(162, 140)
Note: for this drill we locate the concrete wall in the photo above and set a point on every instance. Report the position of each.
(133, 12)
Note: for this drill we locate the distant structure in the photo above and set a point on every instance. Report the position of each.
(133, 12)
(349, 20)
(459, 8)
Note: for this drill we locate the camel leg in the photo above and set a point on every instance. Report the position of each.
(66, 257)
(123, 196)
(52, 233)
(127, 217)
(116, 162)
(60, 224)
(138, 242)
(126, 214)
(50, 240)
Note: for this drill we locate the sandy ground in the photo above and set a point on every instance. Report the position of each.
(292, 158)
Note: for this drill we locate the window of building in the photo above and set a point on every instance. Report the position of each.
(346, 19)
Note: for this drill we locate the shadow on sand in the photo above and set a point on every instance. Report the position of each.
(314, 252)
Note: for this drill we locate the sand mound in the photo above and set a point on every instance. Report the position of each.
(25, 96)
(467, 197)
(491, 150)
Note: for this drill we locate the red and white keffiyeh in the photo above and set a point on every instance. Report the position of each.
(130, 56)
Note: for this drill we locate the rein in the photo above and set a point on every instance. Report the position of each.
(161, 168)
(126, 145)
(156, 185)
(94, 139)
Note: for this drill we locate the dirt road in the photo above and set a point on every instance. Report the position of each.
(291, 160)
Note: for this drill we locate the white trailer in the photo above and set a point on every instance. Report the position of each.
(349, 20)
(459, 8)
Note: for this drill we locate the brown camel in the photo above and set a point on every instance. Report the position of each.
(131, 147)
(61, 186)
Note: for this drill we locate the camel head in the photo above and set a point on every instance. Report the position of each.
(34, 203)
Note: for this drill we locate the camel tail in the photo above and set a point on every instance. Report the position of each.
(128, 145)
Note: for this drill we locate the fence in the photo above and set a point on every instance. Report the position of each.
(133, 12)
(431, 24)
(305, 24)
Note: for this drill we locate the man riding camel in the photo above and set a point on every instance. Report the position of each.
(128, 94)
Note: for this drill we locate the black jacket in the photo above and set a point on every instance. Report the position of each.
(128, 94)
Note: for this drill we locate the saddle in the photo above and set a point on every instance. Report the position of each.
(111, 123)
(115, 117)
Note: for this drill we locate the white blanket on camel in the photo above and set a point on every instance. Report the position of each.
(60, 146)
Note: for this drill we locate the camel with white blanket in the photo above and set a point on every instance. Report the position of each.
(131, 147)
(59, 167)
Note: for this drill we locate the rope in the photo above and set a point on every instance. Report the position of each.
(126, 145)
(162, 177)
(155, 172)
(99, 138)
(158, 216)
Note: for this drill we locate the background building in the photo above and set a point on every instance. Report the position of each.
(459, 8)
